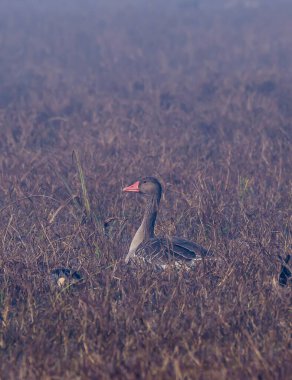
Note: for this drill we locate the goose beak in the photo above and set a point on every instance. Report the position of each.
(133, 188)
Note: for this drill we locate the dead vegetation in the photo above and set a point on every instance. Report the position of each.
(202, 99)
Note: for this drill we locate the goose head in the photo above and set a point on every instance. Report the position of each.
(149, 187)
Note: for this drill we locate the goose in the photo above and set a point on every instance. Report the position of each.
(146, 246)
(285, 277)
(65, 276)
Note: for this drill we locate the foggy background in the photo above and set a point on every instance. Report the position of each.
(46, 44)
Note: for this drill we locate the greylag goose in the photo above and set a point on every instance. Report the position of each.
(65, 276)
(159, 250)
(285, 276)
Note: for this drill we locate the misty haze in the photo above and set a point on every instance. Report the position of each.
(145, 189)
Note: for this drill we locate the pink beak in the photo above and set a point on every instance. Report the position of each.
(133, 188)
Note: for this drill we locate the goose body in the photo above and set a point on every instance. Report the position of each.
(65, 277)
(159, 250)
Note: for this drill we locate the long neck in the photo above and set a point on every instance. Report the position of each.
(146, 229)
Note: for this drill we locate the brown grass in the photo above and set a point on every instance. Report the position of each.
(200, 98)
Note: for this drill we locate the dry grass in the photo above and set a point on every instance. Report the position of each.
(202, 99)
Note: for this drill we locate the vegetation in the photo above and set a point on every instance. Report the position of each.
(91, 99)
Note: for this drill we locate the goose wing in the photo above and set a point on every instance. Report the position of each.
(165, 249)
(189, 249)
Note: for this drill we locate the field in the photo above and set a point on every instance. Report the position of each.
(199, 96)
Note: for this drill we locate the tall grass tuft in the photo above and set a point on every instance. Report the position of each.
(85, 197)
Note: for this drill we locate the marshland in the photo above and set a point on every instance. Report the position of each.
(95, 95)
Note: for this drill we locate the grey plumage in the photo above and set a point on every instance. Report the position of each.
(159, 250)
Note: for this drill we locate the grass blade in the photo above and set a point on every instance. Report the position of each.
(83, 185)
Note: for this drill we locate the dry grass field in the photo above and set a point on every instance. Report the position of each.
(196, 95)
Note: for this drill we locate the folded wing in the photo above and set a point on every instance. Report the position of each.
(166, 249)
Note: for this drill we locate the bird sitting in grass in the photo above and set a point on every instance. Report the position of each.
(159, 250)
